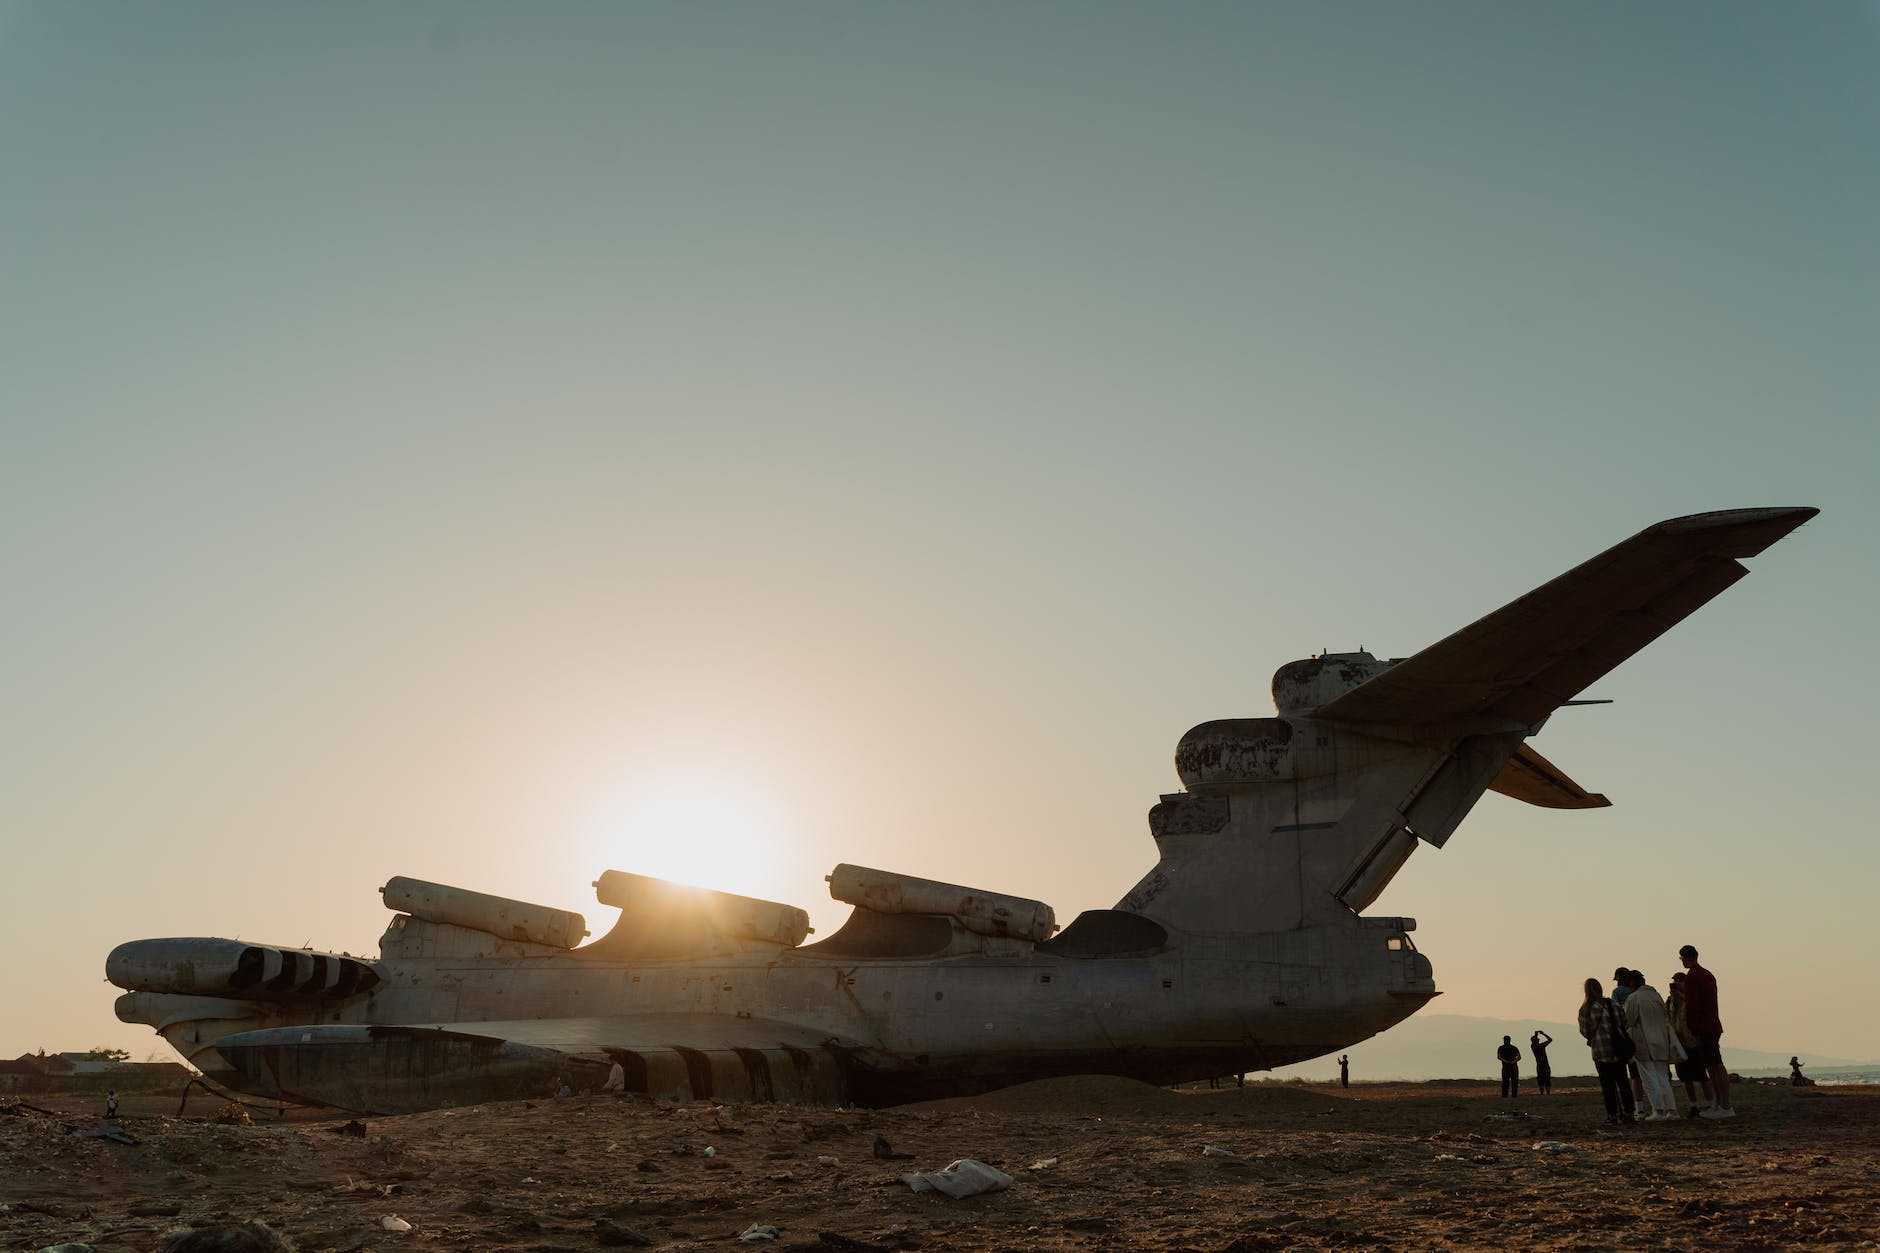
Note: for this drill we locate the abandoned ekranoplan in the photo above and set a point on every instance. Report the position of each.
(1244, 947)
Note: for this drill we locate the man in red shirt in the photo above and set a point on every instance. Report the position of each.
(1700, 1015)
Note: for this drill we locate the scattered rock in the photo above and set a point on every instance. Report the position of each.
(613, 1234)
(253, 1237)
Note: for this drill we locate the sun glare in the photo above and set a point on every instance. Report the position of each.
(703, 832)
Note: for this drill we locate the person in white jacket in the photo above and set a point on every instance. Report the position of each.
(1649, 1025)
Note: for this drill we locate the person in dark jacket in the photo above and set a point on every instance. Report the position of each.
(1510, 1057)
(1700, 1015)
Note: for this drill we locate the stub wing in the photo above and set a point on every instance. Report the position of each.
(1520, 663)
(1530, 777)
(397, 1069)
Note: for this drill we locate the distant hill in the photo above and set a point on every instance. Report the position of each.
(1451, 1046)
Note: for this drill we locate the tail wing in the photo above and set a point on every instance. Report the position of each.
(1520, 663)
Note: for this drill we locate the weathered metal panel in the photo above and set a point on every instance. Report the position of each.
(498, 915)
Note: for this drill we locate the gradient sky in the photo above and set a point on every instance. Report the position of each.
(496, 443)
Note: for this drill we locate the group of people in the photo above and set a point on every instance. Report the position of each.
(1637, 1035)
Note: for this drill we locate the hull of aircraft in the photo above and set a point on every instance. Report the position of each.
(1244, 947)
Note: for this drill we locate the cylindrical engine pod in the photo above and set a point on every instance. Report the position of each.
(988, 913)
(208, 967)
(496, 915)
(742, 917)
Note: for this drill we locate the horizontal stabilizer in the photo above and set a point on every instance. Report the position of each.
(1530, 777)
(1520, 663)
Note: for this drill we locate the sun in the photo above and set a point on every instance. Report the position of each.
(696, 830)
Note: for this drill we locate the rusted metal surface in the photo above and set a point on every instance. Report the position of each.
(1235, 751)
(1187, 814)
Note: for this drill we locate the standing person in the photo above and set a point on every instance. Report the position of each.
(1543, 1070)
(1621, 989)
(1510, 1057)
(110, 1103)
(1690, 1071)
(1700, 1011)
(1657, 1046)
(1599, 1023)
(1344, 1071)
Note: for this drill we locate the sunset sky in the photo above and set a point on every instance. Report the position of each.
(497, 443)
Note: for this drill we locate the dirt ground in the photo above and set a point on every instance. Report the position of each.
(1098, 1164)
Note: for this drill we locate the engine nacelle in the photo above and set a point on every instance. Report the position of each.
(988, 913)
(230, 968)
(640, 896)
(495, 915)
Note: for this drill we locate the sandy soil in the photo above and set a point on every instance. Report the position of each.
(1099, 1164)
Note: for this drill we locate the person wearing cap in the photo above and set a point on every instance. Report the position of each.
(1700, 1014)
(1622, 988)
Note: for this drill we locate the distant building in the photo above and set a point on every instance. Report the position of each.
(85, 1064)
(26, 1073)
(75, 1072)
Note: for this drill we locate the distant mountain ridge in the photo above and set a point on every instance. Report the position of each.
(1454, 1046)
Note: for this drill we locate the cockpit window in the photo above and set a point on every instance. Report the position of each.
(1400, 944)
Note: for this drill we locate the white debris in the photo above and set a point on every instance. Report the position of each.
(1211, 1151)
(965, 1177)
(1552, 1146)
(392, 1222)
(757, 1232)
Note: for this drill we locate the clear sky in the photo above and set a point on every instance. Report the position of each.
(496, 443)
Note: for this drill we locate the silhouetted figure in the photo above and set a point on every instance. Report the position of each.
(110, 1102)
(1621, 990)
(1599, 1024)
(1692, 1073)
(1510, 1067)
(1700, 1013)
(1796, 1078)
(1344, 1071)
(1543, 1070)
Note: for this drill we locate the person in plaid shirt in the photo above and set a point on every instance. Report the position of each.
(1599, 1022)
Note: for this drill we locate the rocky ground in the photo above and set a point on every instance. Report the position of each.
(1097, 1164)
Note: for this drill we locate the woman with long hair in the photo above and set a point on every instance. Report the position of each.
(1600, 1024)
